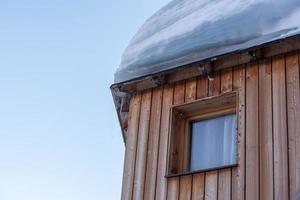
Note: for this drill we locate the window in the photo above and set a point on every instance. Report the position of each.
(203, 135)
(213, 142)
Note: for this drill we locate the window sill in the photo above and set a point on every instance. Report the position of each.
(200, 171)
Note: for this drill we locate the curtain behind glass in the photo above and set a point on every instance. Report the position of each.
(213, 142)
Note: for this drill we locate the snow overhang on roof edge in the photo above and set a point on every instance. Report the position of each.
(187, 31)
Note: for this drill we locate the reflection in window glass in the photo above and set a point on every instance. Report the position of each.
(213, 142)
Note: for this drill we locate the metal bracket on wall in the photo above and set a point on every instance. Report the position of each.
(206, 70)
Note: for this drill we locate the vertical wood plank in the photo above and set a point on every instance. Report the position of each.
(153, 143)
(226, 80)
(161, 186)
(186, 181)
(211, 185)
(190, 90)
(173, 188)
(198, 187)
(265, 130)
(141, 154)
(179, 96)
(238, 174)
(190, 95)
(177, 157)
(280, 129)
(224, 183)
(202, 87)
(179, 93)
(214, 84)
(211, 178)
(185, 187)
(130, 150)
(293, 109)
(198, 192)
(252, 143)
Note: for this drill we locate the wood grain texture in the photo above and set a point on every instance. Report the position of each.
(198, 192)
(142, 144)
(211, 185)
(214, 84)
(161, 186)
(186, 181)
(130, 150)
(280, 129)
(179, 93)
(179, 97)
(238, 174)
(211, 178)
(185, 187)
(268, 136)
(202, 87)
(224, 183)
(265, 130)
(153, 141)
(190, 90)
(293, 109)
(198, 186)
(173, 188)
(177, 156)
(252, 140)
(226, 80)
(190, 95)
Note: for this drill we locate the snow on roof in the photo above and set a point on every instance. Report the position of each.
(186, 31)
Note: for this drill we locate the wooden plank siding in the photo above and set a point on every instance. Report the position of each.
(130, 151)
(153, 144)
(265, 131)
(174, 183)
(186, 182)
(211, 178)
(268, 136)
(141, 154)
(198, 191)
(238, 173)
(293, 109)
(252, 139)
(161, 182)
(224, 181)
(198, 186)
(281, 182)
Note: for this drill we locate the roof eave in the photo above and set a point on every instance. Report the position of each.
(123, 91)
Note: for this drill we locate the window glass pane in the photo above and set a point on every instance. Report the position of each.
(213, 142)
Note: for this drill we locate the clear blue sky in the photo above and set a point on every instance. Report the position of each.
(59, 134)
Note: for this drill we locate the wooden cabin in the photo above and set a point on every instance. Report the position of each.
(223, 123)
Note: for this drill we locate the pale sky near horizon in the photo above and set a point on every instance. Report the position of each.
(59, 134)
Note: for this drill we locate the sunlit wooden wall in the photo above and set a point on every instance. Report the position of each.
(268, 136)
